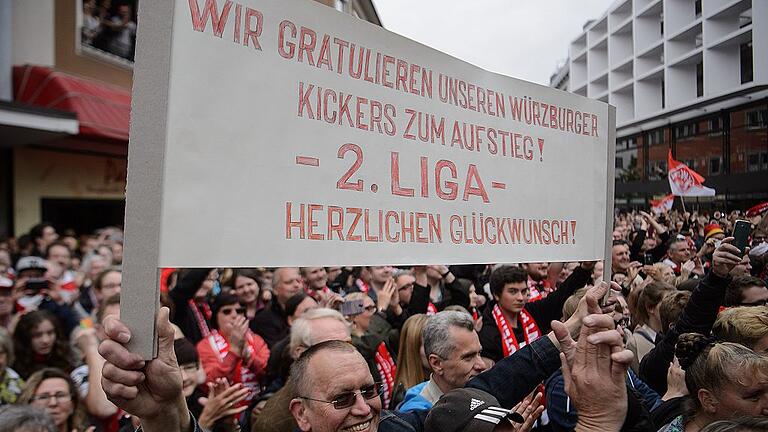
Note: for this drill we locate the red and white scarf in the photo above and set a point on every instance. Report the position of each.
(242, 374)
(509, 343)
(387, 370)
(202, 321)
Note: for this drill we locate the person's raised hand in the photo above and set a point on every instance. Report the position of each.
(222, 401)
(530, 410)
(330, 300)
(675, 381)
(589, 304)
(237, 334)
(725, 258)
(151, 390)
(385, 294)
(595, 379)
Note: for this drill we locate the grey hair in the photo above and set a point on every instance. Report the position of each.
(301, 330)
(436, 336)
(299, 380)
(25, 418)
(90, 258)
(401, 272)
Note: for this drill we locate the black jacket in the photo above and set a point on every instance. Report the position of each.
(271, 323)
(698, 316)
(543, 311)
(181, 294)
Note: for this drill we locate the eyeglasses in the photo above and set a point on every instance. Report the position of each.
(347, 399)
(228, 312)
(370, 308)
(60, 397)
(405, 287)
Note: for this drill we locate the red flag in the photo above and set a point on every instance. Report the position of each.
(684, 181)
(662, 204)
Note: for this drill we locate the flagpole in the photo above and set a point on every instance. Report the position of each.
(682, 201)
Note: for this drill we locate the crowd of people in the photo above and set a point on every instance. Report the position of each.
(677, 341)
(110, 26)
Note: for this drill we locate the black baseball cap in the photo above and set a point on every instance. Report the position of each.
(468, 409)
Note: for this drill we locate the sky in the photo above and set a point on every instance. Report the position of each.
(525, 39)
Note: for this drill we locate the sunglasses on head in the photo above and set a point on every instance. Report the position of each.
(347, 399)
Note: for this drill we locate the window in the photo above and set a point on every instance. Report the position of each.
(697, 8)
(714, 165)
(663, 98)
(626, 143)
(699, 79)
(756, 119)
(661, 24)
(689, 163)
(686, 130)
(715, 126)
(745, 61)
(655, 137)
(619, 163)
(757, 161)
(657, 170)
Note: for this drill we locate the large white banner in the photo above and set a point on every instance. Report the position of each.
(282, 132)
(297, 135)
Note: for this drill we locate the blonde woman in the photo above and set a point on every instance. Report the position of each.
(412, 366)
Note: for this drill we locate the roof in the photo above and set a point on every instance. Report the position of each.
(103, 110)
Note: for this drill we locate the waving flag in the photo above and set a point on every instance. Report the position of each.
(685, 181)
(662, 204)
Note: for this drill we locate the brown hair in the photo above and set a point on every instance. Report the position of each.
(742, 325)
(97, 284)
(410, 370)
(78, 419)
(109, 301)
(671, 308)
(648, 298)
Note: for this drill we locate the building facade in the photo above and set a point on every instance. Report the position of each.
(685, 75)
(66, 71)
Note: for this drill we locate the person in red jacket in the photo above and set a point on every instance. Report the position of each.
(232, 351)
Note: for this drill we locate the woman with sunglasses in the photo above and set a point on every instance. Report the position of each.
(233, 351)
(52, 391)
(371, 335)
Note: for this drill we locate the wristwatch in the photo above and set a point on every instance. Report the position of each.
(445, 274)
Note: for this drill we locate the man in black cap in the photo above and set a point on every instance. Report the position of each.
(471, 409)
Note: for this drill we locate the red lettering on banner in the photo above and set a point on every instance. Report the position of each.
(358, 213)
(395, 177)
(420, 238)
(452, 188)
(312, 222)
(396, 237)
(307, 41)
(335, 227)
(210, 11)
(281, 42)
(252, 35)
(368, 236)
(290, 224)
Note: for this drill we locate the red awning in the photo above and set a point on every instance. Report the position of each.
(103, 110)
